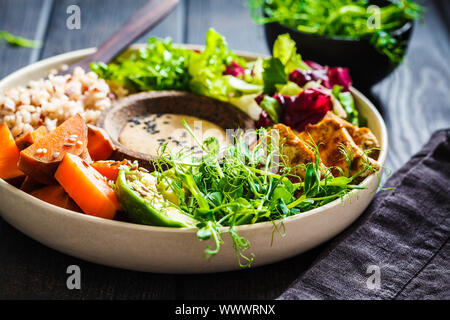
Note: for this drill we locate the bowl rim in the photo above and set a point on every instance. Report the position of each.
(58, 211)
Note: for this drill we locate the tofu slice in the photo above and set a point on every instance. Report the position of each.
(330, 135)
(363, 137)
(296, 151)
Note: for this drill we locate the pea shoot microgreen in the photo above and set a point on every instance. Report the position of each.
(233, 185)
(18, 41)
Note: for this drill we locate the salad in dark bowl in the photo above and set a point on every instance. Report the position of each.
(368, 37)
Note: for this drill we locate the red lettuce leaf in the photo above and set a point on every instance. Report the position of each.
(310, 106)
(302, 77)
(314, 65)
(339, 76)
(234, 69)
(264, 120)
(336, 76)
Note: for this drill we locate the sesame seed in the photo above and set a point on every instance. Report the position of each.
(79, 142)
(55, 155)
(142, 193)
(72, 139)
(69, 144)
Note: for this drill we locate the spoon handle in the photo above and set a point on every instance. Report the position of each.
(140, 22)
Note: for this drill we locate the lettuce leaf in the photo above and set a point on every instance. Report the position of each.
(207, 68)
(285, 49)
(310, 106)
(347, 102)
(242, 86)
(234, 69)
(272, 107)
(159, 66)
(248, 104)
(273, 74)
(256, 71)
(284, 61)
(288, 89)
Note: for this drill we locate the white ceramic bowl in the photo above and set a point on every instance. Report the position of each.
(169, 250)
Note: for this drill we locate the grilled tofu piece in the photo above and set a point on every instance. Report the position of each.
(363, 137)
(331, 137)
(297, 152)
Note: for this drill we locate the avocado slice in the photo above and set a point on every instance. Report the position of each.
(138, 195)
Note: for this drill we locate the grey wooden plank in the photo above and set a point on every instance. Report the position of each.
(416, 97)
(99, 20)
(265, 283)
(231, 18)
(444, 9)
(20, 17)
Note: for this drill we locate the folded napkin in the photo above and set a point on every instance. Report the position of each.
(399, 248)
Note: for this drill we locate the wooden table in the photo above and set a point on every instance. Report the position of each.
(414, 100)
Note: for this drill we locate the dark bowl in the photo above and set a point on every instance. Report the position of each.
(367, 66)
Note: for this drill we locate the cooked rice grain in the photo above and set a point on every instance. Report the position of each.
(52, 100)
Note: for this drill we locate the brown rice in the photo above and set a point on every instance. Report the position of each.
(52, 100)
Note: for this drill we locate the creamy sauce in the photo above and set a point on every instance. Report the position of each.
(146, 134)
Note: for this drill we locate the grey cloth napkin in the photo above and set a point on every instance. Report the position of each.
(399, 248)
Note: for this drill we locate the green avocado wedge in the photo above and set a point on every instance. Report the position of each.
(139, 198)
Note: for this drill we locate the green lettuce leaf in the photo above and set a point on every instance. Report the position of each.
(206, 68)
(285, 49)
(272, 107)
(159, 66)
(273, 74)
(347, 102)
(243, 86)
(288, 89)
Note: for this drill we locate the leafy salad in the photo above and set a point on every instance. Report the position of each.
(270, 90)
(342, 19)
(238, 183)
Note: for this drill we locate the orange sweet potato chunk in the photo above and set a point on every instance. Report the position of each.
(41, 159)
(87, 187)
(9, 154)
(57, 196)
(29, 138)
(100, 145)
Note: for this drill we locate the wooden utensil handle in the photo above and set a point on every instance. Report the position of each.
(140, 22)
